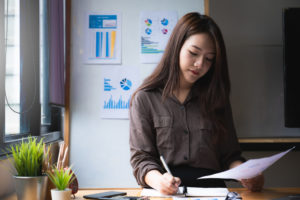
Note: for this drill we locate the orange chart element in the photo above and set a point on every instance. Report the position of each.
(112, 44)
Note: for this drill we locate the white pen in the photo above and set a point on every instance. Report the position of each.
(165, 164)
(168, 170)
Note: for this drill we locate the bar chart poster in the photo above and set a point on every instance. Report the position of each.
(103, 39)
(119, 83)
(155, 30)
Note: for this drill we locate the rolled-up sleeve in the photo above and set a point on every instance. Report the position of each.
(230, 148)
(144, 155)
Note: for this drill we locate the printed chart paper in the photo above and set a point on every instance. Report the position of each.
(155, 28)
(119, 82)
(248, 169)
(103, 38)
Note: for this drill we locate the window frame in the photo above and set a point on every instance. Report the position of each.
(2, 71)
(29, 11)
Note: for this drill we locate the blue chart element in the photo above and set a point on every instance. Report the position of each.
(120, 104)
(147, 46)
(107, 45)
(97, 44)
(107, 86)
(164, 22)
(126, 84)
(102, 21)
(148, 31)
(148, 22)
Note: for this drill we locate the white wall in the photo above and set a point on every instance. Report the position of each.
(100, 148)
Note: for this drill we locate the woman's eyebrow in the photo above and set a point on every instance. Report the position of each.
(197, 47)
(200, 49)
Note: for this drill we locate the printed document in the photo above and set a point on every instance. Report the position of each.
(248, 169)
(199, 198)
(191, 192)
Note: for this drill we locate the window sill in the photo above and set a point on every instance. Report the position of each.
(48, 139)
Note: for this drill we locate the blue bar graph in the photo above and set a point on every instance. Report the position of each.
(97, 44)
(107, 86)
(107, 45)
(101, 42)
(120, 104)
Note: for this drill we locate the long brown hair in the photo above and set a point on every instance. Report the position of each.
(214, 87)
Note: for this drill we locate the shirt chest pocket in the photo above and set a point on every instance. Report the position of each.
(202, 134)
(207, 137)
(163, 126)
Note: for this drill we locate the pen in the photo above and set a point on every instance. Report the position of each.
(165, 164)
(168, 170)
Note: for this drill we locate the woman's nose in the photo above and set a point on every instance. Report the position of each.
(198, 63)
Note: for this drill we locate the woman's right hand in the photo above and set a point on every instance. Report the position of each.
(164, 183)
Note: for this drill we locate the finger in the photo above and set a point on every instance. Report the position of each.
(169, 180)
(254, 184)
(177, 181)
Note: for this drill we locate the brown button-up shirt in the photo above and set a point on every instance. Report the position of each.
(177, 131)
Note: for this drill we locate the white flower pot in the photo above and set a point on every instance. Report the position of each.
(61, 194)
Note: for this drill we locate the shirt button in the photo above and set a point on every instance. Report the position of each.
(182, 107)
(186, 132)
(185, 158)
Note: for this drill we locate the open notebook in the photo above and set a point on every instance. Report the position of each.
(191, 192)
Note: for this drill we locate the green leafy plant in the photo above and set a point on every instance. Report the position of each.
(61, 177)
(30, 157)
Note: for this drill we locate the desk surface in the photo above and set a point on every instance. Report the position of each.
(268, 193)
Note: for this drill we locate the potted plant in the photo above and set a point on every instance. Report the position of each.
(61, 178)
(30, 159)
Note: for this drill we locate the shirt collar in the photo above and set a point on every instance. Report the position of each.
(194, 93)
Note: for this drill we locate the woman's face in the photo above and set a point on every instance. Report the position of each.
(195, 59)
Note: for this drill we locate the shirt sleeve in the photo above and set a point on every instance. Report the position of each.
(144, 156)
(230, 147)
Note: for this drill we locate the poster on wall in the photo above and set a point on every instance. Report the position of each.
(119, 83)
(103, 38)
(155, 30)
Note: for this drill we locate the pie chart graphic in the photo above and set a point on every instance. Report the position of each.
(126, 84)
(148, 31)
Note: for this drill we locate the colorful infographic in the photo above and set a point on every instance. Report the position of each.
(156, 28)
(119, 83)
(103, 44)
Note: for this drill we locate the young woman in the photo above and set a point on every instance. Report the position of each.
(182, 111)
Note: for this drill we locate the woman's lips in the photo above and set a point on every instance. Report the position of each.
(195, 72)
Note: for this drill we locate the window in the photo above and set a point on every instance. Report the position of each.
(24, 72)
(12, 69)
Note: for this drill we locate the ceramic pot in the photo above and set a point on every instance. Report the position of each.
(61, 194)
(31, 187)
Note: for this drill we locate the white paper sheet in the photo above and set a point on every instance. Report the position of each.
(197, 198)
(249, 169)
(191, 191)
(155, 30)
(119, 83)
(103, 38)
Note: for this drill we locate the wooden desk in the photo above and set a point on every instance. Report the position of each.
(268, 193)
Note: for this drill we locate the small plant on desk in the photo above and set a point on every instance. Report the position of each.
(31, 160)
(61, 178)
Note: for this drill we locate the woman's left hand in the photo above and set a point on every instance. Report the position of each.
(254, 184)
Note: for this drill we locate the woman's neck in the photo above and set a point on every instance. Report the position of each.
(182, 92)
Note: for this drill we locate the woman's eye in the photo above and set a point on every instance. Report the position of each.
(192, 53)
(210, 59)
